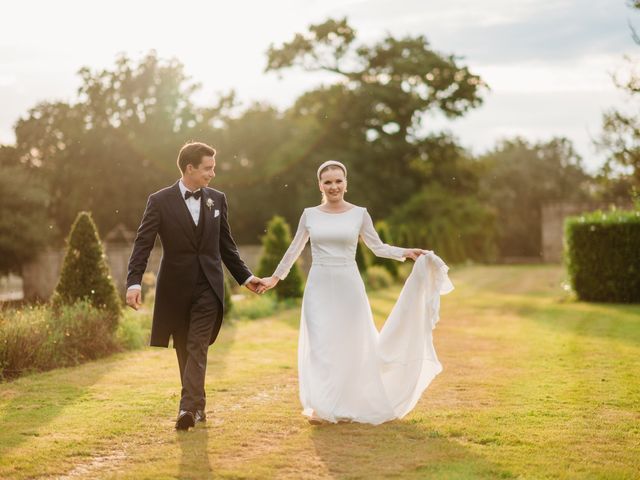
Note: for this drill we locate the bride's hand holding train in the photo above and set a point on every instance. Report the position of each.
(414, 253)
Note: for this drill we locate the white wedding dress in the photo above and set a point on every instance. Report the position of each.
(347, 370)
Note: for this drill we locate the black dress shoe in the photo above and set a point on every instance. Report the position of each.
(201, 416)
(185, 420)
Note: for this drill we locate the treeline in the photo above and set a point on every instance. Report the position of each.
(107, 151)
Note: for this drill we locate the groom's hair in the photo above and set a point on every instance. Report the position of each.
(192, 153)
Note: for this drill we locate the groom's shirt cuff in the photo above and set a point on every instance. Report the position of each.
(248, 280)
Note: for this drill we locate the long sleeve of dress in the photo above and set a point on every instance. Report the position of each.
(372, 240)
(294, 250)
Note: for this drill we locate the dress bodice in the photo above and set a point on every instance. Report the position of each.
(334, 238)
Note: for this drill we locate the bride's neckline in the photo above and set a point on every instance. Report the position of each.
(334, 213)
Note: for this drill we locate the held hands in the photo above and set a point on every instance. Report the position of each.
(261, 285)
(253, 284)
(414, 253)
(267, 284)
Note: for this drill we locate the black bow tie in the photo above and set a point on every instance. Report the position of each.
(197, 194)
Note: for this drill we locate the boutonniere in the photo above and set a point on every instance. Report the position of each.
(209, 203)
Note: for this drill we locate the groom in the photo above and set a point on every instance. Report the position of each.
(191, 220)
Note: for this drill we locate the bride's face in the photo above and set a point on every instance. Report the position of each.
(333, 184)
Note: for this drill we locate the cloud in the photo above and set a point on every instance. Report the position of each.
(502, 31)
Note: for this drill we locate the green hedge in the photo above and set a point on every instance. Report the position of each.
(39, 338)
(602, 253)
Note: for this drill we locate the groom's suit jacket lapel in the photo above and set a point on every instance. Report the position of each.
(182, 214)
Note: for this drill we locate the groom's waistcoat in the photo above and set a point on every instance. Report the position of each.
(200, 227)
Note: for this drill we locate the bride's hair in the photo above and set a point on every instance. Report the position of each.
(330, 165)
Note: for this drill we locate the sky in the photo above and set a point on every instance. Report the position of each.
(548, 62)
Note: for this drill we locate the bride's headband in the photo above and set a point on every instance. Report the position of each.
(332, 162)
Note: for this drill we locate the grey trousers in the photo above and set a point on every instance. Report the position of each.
(192, 347)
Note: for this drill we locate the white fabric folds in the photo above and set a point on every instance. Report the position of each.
(347, 370)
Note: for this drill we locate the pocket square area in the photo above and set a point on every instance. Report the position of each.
(216, 213)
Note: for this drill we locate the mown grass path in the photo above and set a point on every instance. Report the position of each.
(534, 386)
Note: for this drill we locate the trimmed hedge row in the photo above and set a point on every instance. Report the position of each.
(602, 254)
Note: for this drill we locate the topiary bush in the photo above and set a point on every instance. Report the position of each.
(602, 255)
(275, 243)
(85, 273)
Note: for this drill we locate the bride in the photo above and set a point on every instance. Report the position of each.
(348, 371)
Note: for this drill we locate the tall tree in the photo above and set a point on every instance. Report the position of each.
(446, 214)
(519, 178)
(372, 116)
(24, 227)
(620, 137)
(117, 143)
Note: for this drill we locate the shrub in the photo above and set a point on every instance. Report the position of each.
(378, 277)
(134, 329)
(456, 227)
(85, 273)
(22, 336)
(41, 338)
(275, 243)
(24, 226)
(602, 254)
(255, 306)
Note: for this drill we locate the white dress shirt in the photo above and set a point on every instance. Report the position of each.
(193, 206)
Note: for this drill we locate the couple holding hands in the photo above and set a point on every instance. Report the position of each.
(348, 371)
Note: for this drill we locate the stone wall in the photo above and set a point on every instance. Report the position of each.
(553, 217)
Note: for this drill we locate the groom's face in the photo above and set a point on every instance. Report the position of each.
(201, 175)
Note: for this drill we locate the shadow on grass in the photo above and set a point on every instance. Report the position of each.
(194, 459)
(403, 449)
(37, 399)
(30, 403)
(613, 321)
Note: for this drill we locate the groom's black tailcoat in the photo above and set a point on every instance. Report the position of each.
(188, 252)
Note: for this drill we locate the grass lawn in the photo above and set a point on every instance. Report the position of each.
(534, 386)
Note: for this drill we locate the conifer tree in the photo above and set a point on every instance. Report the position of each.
(85, 273)
(275, 243)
